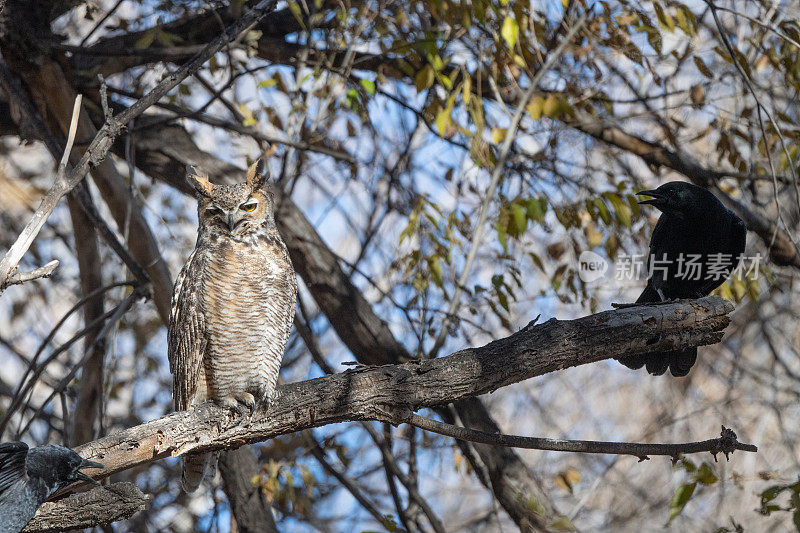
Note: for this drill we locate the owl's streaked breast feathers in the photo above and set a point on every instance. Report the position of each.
(234, 299)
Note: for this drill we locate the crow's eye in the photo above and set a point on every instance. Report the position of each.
(249, 206)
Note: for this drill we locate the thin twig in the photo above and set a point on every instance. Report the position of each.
(319, 455)
(100, 23)
(726, 443)
(73, 128)
(211, 120)
(759, 108)
(17, 278)
(19, 394)
(107, 113)
(113, 317)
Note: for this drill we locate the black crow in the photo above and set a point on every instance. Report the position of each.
(696, 244)
(29, 477)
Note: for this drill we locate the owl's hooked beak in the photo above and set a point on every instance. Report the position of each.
(231, 221)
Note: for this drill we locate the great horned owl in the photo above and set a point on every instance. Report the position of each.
(233, 304)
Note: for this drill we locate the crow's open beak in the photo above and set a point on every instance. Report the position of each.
(88, 464)
(656, 199)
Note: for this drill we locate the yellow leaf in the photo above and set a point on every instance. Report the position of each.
(498, 134)
(593, 237)
(535, 107)
(551, 107)
(510, 31)
(247, 116)
(566, 479)
(442, 121)
(443, 118)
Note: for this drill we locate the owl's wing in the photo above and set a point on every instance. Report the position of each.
(186, 336)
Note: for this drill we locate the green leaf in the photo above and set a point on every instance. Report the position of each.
(297, 11)
(424, 78)
(436, 270)
(518, 213)
(664, 20)
(705, 474)
(368, 85)
(502, 236)
(679, 500)
(621, 210)
(510, 31)
(536, 209)
(686, 20)
(562, 523)
(145, 40)
(603, 210)
(351, 99)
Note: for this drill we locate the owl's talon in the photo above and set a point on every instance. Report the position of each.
(244, 404)
(248, 400)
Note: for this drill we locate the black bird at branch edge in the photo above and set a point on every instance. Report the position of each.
(694, 225)
(28, 477)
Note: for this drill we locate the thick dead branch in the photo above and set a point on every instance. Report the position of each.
(97, 507)
(248, 502)
(391, 393)
(90, 388)
(111, 55)
(21, 107)
(31, 121)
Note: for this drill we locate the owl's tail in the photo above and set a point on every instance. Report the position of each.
(195, 468)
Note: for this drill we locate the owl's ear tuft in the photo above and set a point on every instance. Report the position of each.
(257, 174)
(199, 181)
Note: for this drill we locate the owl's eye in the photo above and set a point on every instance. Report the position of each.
(249, 206)
(211, 210)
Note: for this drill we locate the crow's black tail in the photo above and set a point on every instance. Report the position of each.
(679, 362)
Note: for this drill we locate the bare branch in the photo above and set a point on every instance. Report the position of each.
(727, 443)
(18, 278)
(73, 128)
(96, 507)
(391, 393)
(24, 241)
